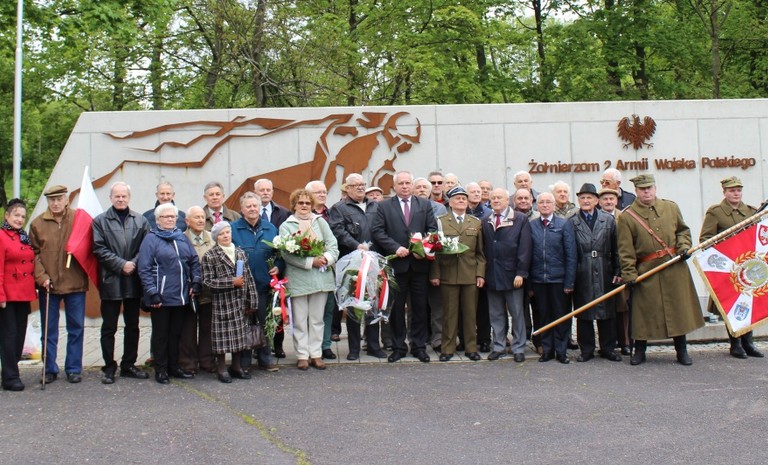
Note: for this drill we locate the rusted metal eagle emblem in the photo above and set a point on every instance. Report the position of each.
(635, 132)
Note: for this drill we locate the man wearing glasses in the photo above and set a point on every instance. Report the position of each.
(436, 179)
(612, 180)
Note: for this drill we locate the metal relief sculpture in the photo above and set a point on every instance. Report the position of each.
(636, 133)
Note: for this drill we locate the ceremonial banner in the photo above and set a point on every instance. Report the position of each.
(736, 274)
(80, 243)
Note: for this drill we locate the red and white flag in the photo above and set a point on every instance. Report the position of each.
(80, 243)
(736, 274)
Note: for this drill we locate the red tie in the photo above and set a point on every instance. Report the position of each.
(498, 219)
(216, 217)
(406, 212)
(546, 222)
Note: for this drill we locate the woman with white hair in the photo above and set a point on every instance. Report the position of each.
(234, 295)
(170, 275)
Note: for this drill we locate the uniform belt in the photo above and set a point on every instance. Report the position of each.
(595, 254)
(657, 254)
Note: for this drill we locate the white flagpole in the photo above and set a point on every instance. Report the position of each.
(17, 102)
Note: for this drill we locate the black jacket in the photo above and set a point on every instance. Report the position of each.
(350, 224)
(115, 243)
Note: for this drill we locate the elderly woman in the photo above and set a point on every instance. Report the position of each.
(309, 279)
(234, 296)
(17, 290)
(170, 274)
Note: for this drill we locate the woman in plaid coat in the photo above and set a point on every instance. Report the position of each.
(233, 297)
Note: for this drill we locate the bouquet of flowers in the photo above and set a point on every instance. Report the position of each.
(279, 311)
(297, 243)
(451, 244)
(363, 284)
(423, 247)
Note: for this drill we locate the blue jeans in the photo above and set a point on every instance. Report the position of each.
(74, 310)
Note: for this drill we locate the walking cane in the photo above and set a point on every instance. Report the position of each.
(45, 333)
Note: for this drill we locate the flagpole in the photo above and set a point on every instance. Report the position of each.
(17, 102)
(702, 246)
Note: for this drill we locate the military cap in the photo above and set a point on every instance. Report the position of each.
(458, 190)
(56, 190)
(733, 181)
(643, 180)
(587, 188)
(604, 191)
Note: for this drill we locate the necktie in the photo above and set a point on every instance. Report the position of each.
(546, 223)
(198, 240)
(498, 219)
(459, 219)
(264, 214)
(406, 211)
(589, 218)
(216, 217)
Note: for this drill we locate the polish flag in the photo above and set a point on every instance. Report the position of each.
(736, 274)
(80, 243)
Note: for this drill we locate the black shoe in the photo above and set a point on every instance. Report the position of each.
(181, 374)
(328, 354)
(484, 347)
(684, 359)
(353, 356)
(239, 374)
(562, 358)
(395, 356)
(16, 386)
(612, 356)
(108, 377)
(378, 353)
(546, 357)
(162, 377)
(74, 378)
(422, 356)
(736, 349)
(519, 357)
(50, 377)
(224, 378)
(585, 357)
(495, 355)
(637, 358)
(133, 372)
(752, 351)
(474, 356)
(625, 351)
(279, 353)
(445, 357)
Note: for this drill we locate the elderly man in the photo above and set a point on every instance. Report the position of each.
(475, 206)
(421, 188)
(196, 350)
(608, 199)
(164, 193)
(507, 242)
(477, 209)
(718, 218)
(553, 274)
(459, 276)
(612, 180)
(485, 193)
(596, 273)
(436, 180)
(275, 214)
(652, 231)
(522, 200)
(564, 208)
(351, 224)
(117, 236)
(373, 193)
(523, 180)
(450, 181)
(215, 210)
(59, 281)
(249, 233)
(396, 220)
(331, 317)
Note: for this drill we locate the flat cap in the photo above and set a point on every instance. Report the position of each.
(53, 191)
(643, 180)
(604, 191)
(374, 188)
(458, 190)
(733, 181)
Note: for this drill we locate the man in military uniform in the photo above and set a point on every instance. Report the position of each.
(718, 218)
(650, 232)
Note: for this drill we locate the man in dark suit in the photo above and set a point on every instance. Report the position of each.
(396, 220)
(214, 209)
(270, 211)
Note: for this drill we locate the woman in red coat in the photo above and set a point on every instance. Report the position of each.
(17, 290)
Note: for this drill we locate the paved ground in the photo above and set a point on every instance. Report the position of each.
(437, 413)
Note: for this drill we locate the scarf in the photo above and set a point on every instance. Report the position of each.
(23, 237)
(305, 226)
(229, 251)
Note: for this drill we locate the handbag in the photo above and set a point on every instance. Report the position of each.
(254, 337)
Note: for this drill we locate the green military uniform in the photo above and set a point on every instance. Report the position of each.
(458, 281)
(717, 219)
(664, 305)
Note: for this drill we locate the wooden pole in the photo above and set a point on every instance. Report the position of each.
(735, 229)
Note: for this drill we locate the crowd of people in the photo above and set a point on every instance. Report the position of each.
(205, 275)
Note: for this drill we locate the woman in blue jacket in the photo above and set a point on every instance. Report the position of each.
(170, 274)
